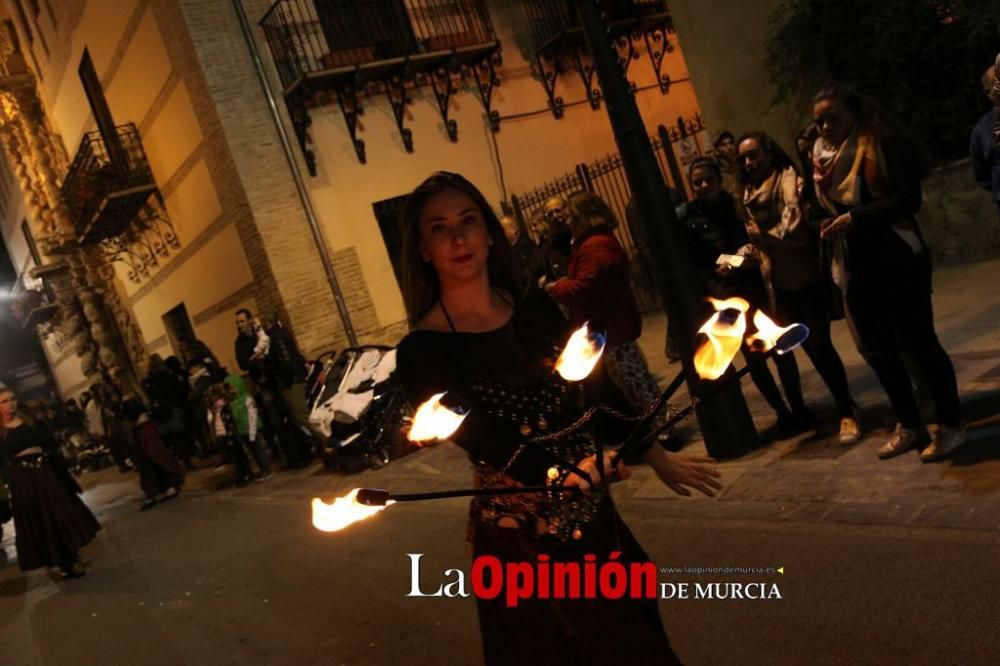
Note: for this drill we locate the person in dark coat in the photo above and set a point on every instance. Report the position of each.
(555, 243)
(51, 521)
(168, 397)
(522, 247)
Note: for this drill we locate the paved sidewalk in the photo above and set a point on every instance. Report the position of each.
(813, 477)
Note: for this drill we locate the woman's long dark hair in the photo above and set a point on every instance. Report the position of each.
(779, 158)
(421, 286)
(873, 118)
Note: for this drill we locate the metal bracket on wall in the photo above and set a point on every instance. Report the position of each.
(444, 88)
(147, 239)
(298, 111)
(395, 92)
(581, 58)
(487, 79)
(658, 46)
(347, 98)
(625, 46)
(548, 70)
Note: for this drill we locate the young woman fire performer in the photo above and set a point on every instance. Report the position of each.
(51, 521)
(476, 337)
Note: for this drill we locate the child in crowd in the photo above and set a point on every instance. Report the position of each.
(233, 421)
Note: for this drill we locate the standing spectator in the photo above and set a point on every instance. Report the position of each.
(554, 249)
(160, 476)
(789, 258)
(726, 156)
(984, 144)
(94, 414)
(167, 396)
(233, 420)
(867, 175)
(715, 230)
(196, 352)
(180, 377)
(51, 521)
(118, 432)
(288, 368)
(252, 358)
(598, 289)
(522, 247)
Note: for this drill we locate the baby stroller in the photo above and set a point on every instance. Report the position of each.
(89, 453)
(358, 411)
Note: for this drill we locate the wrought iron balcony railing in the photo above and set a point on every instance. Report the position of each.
(348, 46)
(108, 184)
(554, 20)
(558, 39)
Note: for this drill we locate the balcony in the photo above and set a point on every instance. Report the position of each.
(350, 47)
(108, 184)
(560, 46)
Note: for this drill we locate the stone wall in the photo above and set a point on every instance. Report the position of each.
(959, 220)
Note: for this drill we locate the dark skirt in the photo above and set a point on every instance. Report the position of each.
(569, 631)
(158, 470)
(51, 521)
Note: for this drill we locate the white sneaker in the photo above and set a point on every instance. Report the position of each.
(946, 440)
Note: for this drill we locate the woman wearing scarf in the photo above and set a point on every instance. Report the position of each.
(867, 177)
(789, 262)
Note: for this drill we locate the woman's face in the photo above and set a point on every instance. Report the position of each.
(8, 405)
(706, 184)
(755, 159)
(834, 120)
(454, 237)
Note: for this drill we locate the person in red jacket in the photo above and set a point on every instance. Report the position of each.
(597, 289)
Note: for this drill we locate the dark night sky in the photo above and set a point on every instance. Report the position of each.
(17, 347)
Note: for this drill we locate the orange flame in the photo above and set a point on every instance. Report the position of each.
(580, 354)
(767, 334)
(343, 512)
(723, 338)
(434, 421)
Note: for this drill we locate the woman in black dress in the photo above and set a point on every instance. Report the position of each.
(51, 521)
(476, 338)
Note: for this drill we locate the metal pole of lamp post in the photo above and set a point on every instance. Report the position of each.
(724, 420)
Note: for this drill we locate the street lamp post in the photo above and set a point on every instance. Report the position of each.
(725, 421)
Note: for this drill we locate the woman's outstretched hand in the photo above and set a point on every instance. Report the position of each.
(589, 465)
(681, 472)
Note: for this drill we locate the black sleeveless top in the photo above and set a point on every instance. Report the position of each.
(517, 404)
(24, 436)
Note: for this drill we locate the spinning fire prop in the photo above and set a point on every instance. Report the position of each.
(723, 334)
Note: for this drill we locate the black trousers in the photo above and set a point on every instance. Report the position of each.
(809, 306)
(891, 314)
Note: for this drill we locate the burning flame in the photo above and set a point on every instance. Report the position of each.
(724, 336)
(434, 421)
(580, 354)
(767, 335)
(343, 512)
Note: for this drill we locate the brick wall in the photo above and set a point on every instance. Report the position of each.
(255, 182)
